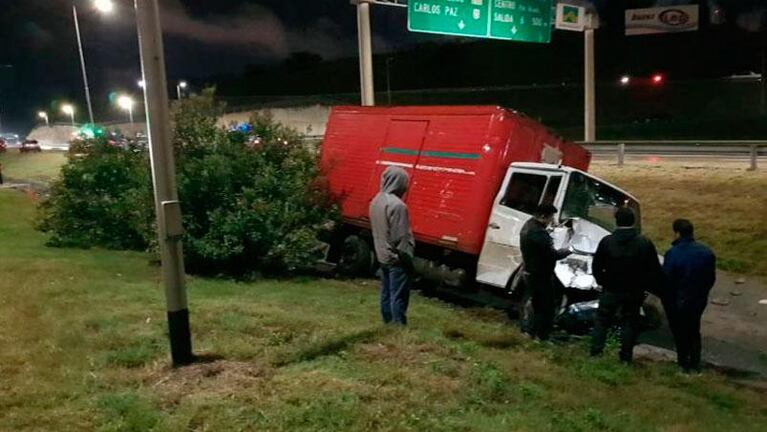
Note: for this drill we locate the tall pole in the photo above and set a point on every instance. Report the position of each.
(130, 115)
(82, 63)
(366, 53)
(167, 205)
(763, 77)
(388, 79)
(590, 118)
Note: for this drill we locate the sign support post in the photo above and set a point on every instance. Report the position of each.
(366, 54)
(590, 115)
(167, 206)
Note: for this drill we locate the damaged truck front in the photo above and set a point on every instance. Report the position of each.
(476, 175)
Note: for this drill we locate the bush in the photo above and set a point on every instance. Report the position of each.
(102, 198)
(252, 200)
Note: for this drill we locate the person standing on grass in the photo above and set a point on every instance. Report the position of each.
(394, 244)
(690, 269)
(625, 265)
(1, 173)
(539, 258)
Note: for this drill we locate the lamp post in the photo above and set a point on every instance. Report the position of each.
(105, 7)
(44, 115)
(126, 103)
(181, 86)
(69, 110)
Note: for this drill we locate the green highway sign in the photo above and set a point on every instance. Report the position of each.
(517, 20)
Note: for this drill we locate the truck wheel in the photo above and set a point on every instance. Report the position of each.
(356, 257)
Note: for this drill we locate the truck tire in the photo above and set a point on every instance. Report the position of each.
(356, 257)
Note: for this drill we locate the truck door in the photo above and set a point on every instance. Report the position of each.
(522, 191)
(404, 140)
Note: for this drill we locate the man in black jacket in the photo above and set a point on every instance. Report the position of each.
(625, 265)
(539, 258)
(690, 274)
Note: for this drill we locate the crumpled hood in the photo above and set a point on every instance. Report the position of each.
(394, 180)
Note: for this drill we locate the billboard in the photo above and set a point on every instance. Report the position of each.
(570, 17)
(671, 19)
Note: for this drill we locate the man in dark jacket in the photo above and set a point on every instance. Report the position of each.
(625, 265)
(539, 258)
(690, 269)
(394, 244)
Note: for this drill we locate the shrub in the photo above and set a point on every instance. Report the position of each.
(252, 200)
(102, 198)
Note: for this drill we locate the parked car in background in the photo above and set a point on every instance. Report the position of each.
(30, 146)
(10, 139)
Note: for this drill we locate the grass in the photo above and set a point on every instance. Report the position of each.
(726, 204)
(84, 347)
(39, 167)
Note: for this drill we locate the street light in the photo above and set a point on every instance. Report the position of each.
(126, 103)
(69, 110)
(141, 83)
(625, 80)
(44, 115)
(181, 85)
(105, 7)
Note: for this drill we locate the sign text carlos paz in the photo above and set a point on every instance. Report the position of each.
(520, 20)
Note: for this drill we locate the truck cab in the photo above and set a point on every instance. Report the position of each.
(586, 206)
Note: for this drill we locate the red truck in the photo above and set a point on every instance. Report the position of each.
(476, 173)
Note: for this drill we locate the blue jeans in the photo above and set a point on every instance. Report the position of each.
(395, 295)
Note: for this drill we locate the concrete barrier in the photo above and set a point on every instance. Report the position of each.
(53, 136)
(309, 120)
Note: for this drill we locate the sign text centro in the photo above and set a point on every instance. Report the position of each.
(670, 19)
(519, 20)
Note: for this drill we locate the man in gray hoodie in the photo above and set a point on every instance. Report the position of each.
(394, 244)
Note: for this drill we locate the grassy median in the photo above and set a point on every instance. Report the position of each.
(39, 167)
(84, 348)
(726, 203)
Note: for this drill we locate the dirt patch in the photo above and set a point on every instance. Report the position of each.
(222, 378)
(409, 354)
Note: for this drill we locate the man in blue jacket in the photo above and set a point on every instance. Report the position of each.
(690, 269)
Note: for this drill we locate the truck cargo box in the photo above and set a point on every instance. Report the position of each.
(456, 157)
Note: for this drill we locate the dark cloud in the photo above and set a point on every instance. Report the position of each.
(257, 28)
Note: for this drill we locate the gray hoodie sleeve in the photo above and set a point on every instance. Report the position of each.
(400, 232)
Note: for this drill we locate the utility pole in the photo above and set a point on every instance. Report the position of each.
(366, 53)
(82, 63)
(590, 117)
(763, 77)
(167, 206)
(388, 79)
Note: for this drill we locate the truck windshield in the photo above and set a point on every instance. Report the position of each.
(592, 200)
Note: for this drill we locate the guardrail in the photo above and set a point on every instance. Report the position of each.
(751, 150)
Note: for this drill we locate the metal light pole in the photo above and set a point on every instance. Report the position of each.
(82, 62)
(44, 115)
(366, 53)
(167, 206)
(180, 86)
(70, 111)
(388, 79)
(590, 117)
(126, 103)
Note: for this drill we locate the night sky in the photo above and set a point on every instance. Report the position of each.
(206, 38)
